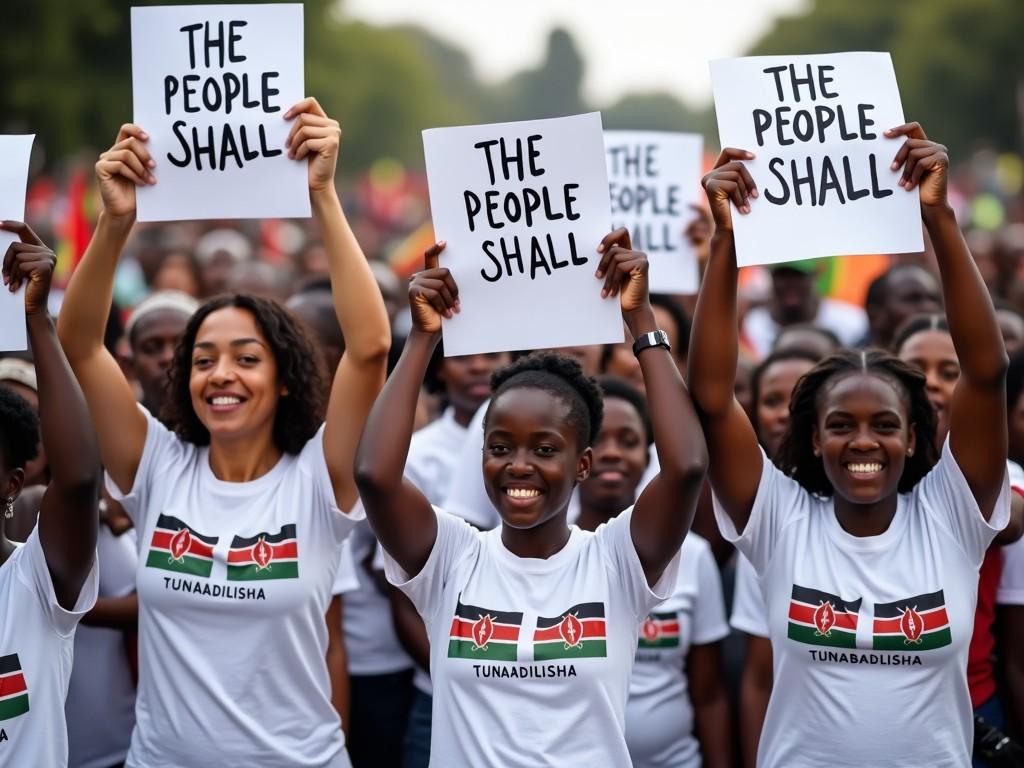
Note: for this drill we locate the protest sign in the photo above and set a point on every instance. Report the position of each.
(211, 84)
(14, 156)
(822, 165)
(653, 178)
(523, 207)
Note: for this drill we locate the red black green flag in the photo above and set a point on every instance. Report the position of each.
(13, 690)
(820, 618)
(912, 624)
(579, 632)
(177, 547)
(483, 633)
(264, 556)
(660, 630)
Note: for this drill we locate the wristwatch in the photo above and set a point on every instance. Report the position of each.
(653, 339)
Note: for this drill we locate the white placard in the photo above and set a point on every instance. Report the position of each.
(653, 178)
(523, 207)
(822, 165)
(15, 152)
(211, 84)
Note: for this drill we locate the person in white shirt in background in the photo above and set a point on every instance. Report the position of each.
(534, 625)
(677, 715)
(867, 544)
(50, 581)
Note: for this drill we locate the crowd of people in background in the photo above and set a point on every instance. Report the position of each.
(702, 685)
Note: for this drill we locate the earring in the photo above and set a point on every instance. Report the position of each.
(9, 509)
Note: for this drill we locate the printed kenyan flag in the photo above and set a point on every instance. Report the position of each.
(819, 618)
(264, 556)
(578, 632)
(13, 691)
(482, 633)
(914, 624)
(176, 547)
(660, 630)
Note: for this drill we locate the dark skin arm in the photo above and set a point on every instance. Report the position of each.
(1015, 528)
(755, 690)
(411, 631)
(337, 660)
(735, 456)
(69, 512)
(710, 704)
(664, 511)
(1011, 648)
(114, 613)
(978, 431)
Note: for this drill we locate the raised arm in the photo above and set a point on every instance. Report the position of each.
(69, 513)
(120, 425)
(664, 511)
(735, 458)
(399, 514)
(977, 434)
(357, 300)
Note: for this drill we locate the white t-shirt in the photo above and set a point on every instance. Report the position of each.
(345, 580)
(531, 658)
(100, 705)
(234, 581)
(847, 321)
(869, 634)
(1011, 579)
(748, 611)
(659, 715)
(36, 648)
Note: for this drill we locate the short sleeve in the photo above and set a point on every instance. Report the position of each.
(456, 540)
(467, 496)
(779, 501)
(313, 462)
(162, 449)
(34, 573)
(945, 495)
(616, 542)
(709, 624)
(345, 580)
(749, 612)
(1011, 581)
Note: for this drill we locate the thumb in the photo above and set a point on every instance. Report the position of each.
(431, 257)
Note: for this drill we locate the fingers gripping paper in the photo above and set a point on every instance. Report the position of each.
(14, 156)
(211, 84)
(653, 178)
(822, 165)
(523, 207)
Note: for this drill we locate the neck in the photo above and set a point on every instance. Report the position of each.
(592, 516)
(540, 542)
(243, 459)
(462, 416)
(6, 545)
(866, 519)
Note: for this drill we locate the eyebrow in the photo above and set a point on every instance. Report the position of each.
(505, 432)
(875, 415)
(235, 343)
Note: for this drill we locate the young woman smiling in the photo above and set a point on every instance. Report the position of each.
(239, 504)
(867, 542)
(533, 626)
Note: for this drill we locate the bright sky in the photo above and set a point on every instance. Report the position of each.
(628, 45)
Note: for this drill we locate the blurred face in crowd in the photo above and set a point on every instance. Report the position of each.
(467, 381)
(793, 296)
(316, 311)
(588, 357)
(771, 410)
(234, 380)
(620, 459)
(911, 291)
(934, 354)
(177, 273)
(805, 337)
(620, 361)
(1011, 325)
(153, 340)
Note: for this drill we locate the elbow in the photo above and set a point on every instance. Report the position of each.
(371, 477)
(691, 470)
(373, 350)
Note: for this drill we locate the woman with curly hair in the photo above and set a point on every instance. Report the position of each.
(533, 625)
(48, 583)
(866, 538)
(239, 503)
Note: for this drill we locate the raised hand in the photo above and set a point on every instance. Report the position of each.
(31, 263)
(925, 164)
(624, 271)
(316, 136)
(433, 293)
(126, 165)
(729, 182)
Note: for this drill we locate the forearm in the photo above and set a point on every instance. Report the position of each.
(357, 299)
(714, 343)
(410, 629)
(114, 613)
(713, 730)
(969, 310)
(86, 305)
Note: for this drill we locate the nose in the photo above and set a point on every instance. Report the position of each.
(222, 372)
(520, 465)
(478, 363)
(166, 356)
(863, 439)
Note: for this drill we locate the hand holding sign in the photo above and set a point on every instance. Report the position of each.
(123, 167)
(624, 271)
(729, 182)
(316, 136)
(925, 164)
(433, 293)
(28, 262)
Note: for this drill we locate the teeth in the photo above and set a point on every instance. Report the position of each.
(226, 400)
(522, 493)
(865, 467)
